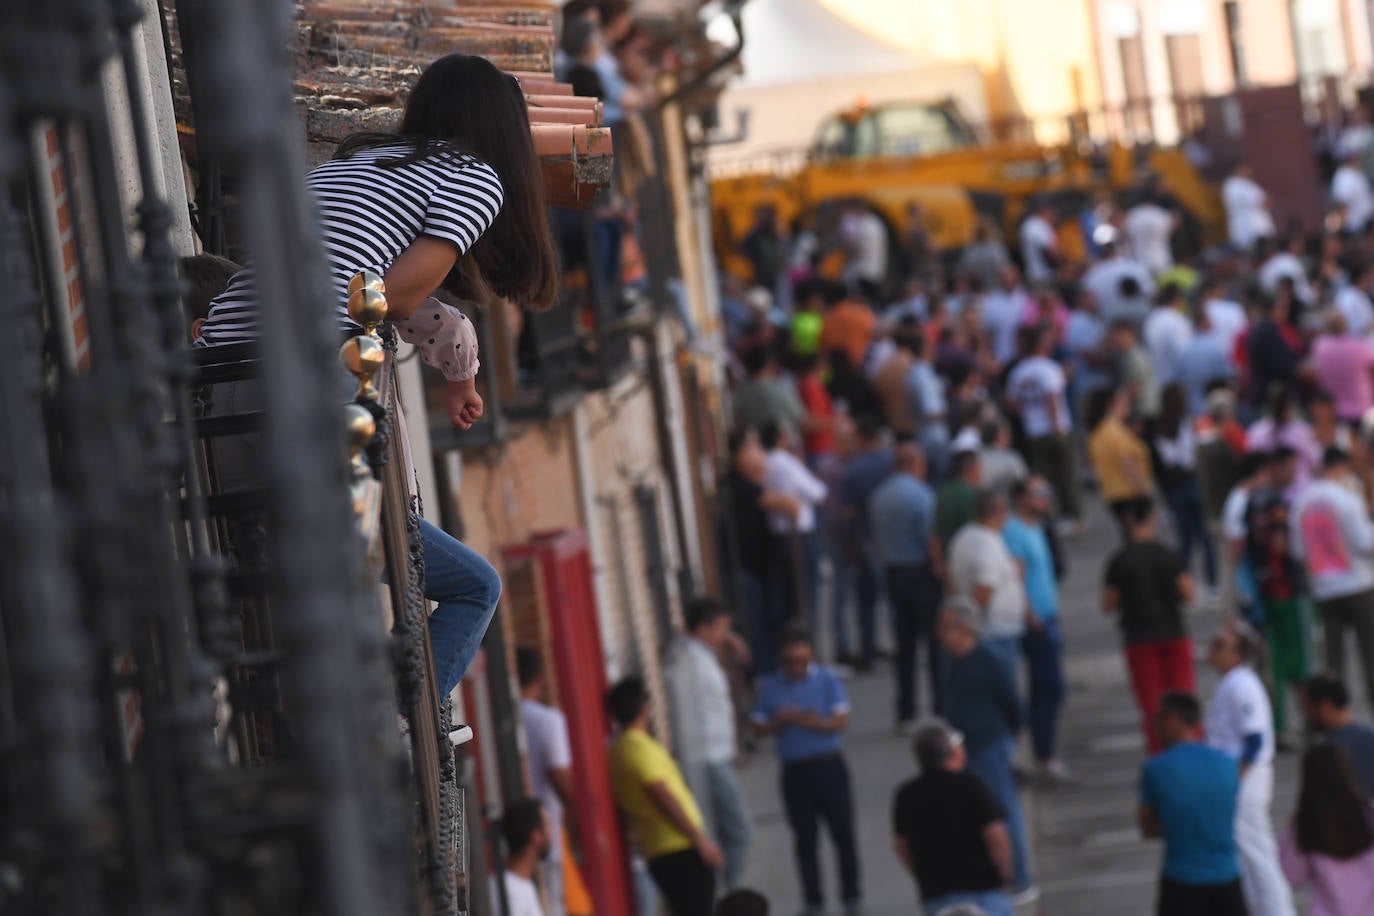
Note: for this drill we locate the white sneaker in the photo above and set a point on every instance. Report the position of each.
(1056, 773)
(1025, 896)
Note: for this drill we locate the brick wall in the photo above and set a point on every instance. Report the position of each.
(623, 453)
(508, 493)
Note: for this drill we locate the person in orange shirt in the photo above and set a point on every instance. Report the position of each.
(848, 325)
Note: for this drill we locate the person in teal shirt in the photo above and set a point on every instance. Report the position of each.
(1043, 643)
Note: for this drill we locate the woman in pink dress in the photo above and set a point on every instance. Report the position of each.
(1330, 842)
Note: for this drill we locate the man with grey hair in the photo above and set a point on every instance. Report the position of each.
(981, 702)
(982, 569)
(950, 831)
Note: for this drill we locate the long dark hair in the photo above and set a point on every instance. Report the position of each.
(464, 104)
(1333, 814)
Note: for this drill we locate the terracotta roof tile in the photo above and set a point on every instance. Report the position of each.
(356, 60)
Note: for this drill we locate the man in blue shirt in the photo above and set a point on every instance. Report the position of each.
(1188, 797)
(805, 706)
(1043, 643)
(867, 467)
(901, 514)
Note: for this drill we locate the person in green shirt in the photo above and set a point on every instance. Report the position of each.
(954, 499)
(662, 816)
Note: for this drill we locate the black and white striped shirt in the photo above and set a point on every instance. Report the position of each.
(369, 215)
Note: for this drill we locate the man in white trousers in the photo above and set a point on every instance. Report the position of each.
(1240, 723)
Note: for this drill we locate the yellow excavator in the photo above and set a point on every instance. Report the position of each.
(892, 155)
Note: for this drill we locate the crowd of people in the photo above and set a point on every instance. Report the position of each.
(920, 439)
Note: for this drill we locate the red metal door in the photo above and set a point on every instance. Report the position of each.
(568, 600)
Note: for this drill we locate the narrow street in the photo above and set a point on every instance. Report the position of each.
(1088, 855)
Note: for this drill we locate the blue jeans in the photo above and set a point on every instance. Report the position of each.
(859, 572)
(729, 814)
(1008, 650)
(466, 589)
(1045, 662)
(992, 764)
(993, 903)
(763, 601)
(1185, 504)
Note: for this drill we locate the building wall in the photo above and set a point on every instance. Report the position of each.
(620, 450)
(1037, 59)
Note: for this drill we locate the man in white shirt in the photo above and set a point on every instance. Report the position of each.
(1226, 316)
(1166, 334)
(1353, 301)
(1286, 263)
(1351, 193)
(1247, 209)
(548, 754)
(785, 474)
(1002, 310)
(526, 832)
(704, 729)
(1334, 539)
(1149, 227)
(865, 238)
(1036, 390)
(980, 567)
(1039, 244)
(1104, 281)
(1240, 723)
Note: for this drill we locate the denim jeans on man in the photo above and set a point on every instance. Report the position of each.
(466, 589)
(856, 573)
(993, 903)
(1044, 650)
(992, 764)
(728, 814)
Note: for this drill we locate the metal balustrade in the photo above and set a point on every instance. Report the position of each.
(199, 682)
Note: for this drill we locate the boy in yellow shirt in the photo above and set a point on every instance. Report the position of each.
(663, 818)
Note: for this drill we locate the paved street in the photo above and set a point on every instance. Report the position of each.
(1089, 858)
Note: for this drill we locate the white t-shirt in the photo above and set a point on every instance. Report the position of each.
(1037, 237)
(1035, 384)
(1334, 538)
(1233, 514)
(546, 734)
(521, 894)
(1167, 332)
(1228, 320)
(1247, 211)
(1148, 227)
(1281, 265)
(785, 473)
(706, 719)
(1001, 312)
(1350, 188)
(1359, 313)
(979, 556)
(1240, 707)
(866, 238)
(1103, 280)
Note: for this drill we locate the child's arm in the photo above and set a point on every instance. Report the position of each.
(448, 342)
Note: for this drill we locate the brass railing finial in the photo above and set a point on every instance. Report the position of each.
(367, 300)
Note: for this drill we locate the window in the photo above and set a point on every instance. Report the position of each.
(1231, 8)
(1137, 86)
(916, 130)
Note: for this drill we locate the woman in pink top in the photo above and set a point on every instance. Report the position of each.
(1344, 367)
(1330, 843)
(1281, 425)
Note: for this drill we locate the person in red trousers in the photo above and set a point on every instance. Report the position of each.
(1146, 585)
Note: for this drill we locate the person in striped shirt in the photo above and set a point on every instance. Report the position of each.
(453, 199)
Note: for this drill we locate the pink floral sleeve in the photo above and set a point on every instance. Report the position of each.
(445, 337)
